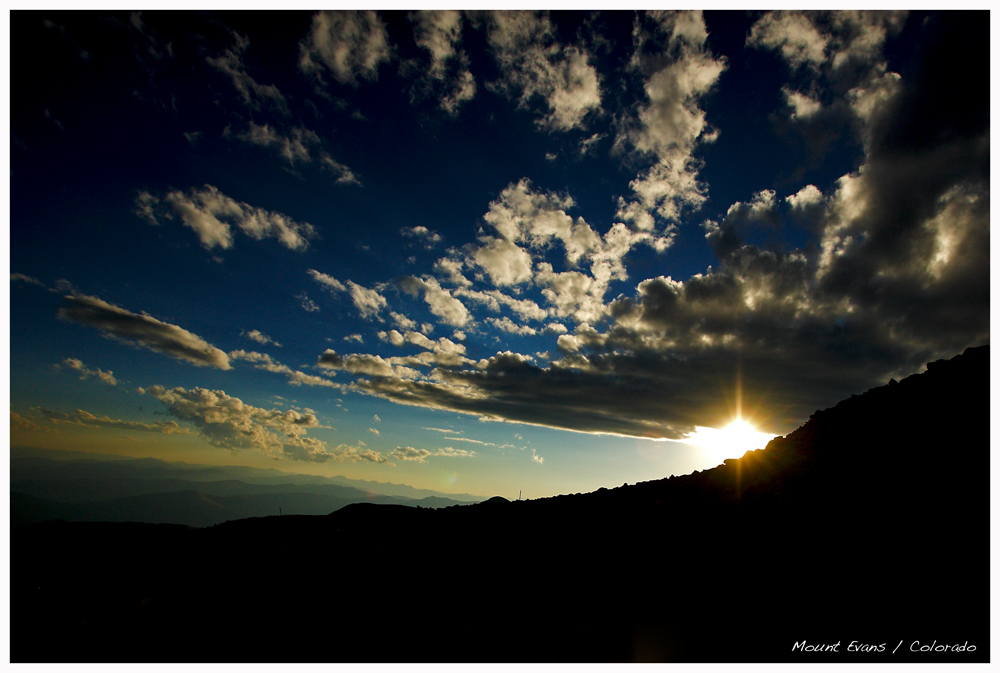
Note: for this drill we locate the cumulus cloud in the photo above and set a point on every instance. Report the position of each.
(494, 300)
(534, 64)
(806, 197)
(409, 453)
(793, 35)
(422, 234)
(228, 423)
(897, 275)
(363, 364)
(678, 70)
(836, 57)
(439, 32)
(439, 300)
(368, 301)
(402, 321)
(350, 44)
(142, 330)
(213, 216)
(529, 223)
(442, 346)
(85, 372)
(259, 337)
(505, 324)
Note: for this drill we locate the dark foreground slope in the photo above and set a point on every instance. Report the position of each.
(867, 528)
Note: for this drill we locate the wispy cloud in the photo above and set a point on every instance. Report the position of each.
(268, 364)
(230, 62)
(260, 337)
(87, 419)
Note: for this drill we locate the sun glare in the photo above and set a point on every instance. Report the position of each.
(735, 439)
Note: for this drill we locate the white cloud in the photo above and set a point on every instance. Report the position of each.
(307, 304)
(803, 106)
(259, 337)
(439, 300)
(85, 372)
(326, 281)
(505, 262)
(451, 268)
(368, 301)
(351, 44)
(505, 324)
(439, 33)
(449, 452)
(805, 197)
(345, 176)
(671, 53)
(494, 299)
(534, 64)
(292, 148)
(402, 321)
(142, 330)
(212, 216)
(843, 51)
(228, 423)
(408, 453)
(373, 431)
(367, 365)
(355, 337)
(793, 34)
(427, 237)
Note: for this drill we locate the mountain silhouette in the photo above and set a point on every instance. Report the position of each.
(861, 536)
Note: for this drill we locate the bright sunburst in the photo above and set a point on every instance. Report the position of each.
(735, 439)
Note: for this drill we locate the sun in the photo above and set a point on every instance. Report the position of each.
(734, 440)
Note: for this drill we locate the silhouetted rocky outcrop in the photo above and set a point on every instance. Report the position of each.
(868, 526)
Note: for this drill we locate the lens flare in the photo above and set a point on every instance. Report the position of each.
(734, 440)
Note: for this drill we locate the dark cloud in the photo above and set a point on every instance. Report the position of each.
(142, 330)
(897, 275)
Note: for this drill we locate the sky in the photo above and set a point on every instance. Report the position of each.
(484, 252)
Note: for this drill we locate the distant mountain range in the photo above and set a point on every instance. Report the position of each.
(147, 490)
(863, 536)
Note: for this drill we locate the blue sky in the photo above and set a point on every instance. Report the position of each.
(484, 251)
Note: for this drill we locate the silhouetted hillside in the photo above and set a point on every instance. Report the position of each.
(868, 526)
